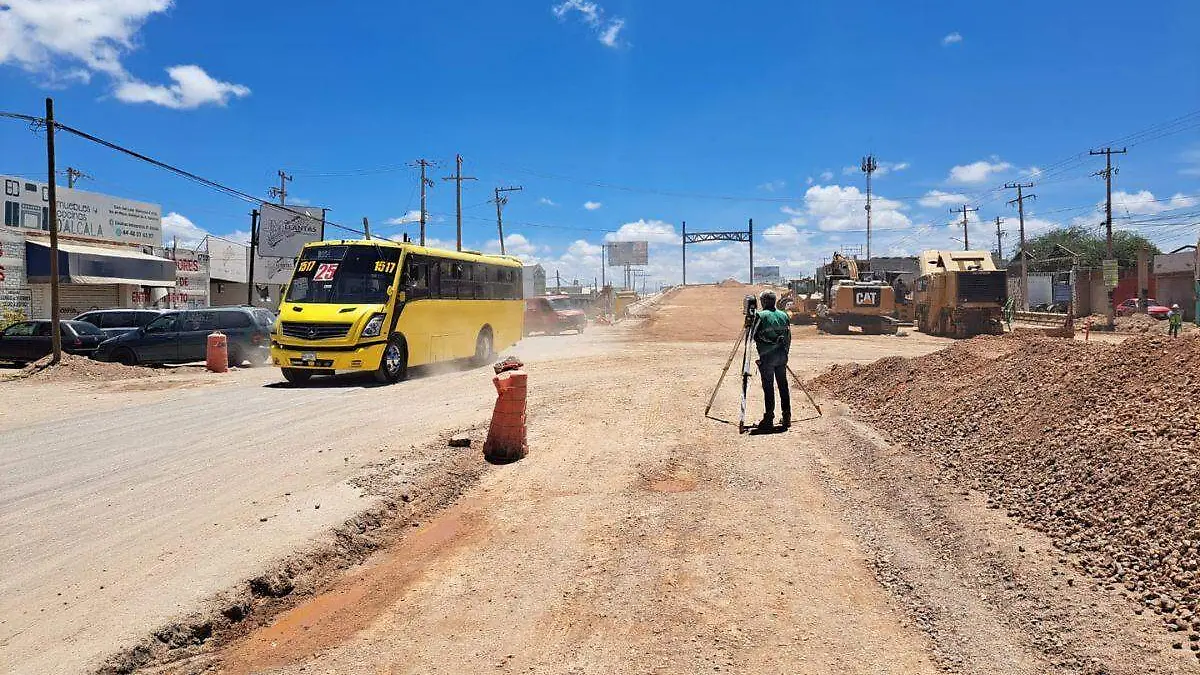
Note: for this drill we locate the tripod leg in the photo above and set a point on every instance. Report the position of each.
(737, 343)
(745, 377)
(801, 385)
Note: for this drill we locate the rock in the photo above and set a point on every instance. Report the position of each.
(460, 441)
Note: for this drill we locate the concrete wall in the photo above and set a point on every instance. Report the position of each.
(1178, 289)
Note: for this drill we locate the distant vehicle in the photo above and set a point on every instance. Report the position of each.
(29, 341)
(553, 314)
(117, 322)
(181, 336)
(1153, 308)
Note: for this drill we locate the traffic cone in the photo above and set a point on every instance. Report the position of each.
(506, 434)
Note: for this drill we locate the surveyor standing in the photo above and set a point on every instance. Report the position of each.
(773, 339)
(1176, 318)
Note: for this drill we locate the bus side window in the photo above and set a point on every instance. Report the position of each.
(416, 277)
(481, 281)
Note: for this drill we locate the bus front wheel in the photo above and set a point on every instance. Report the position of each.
(393, 367)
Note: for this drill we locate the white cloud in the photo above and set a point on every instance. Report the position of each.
(837, 208)
(67, 41)
(1191, 162)
(1143, 203)
(546, 201)
(952, 39)
(413, 216)
(611, 35)
(653, 231)
(785, 234)
(517, 244)
(977, 172)
(191, 88)
(178, 227)
(808, 181)
(608, 31)
(581, 247)
(826, 176)
(773, 186)
(936, 198)
(592, 206)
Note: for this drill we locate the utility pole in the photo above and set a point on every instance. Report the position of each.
(683, 246)
(281, 191)
(750, 236)
(869, 166)
(603, 272)
(73, 175)
(366, 228)
(500, 202)
(1107, 173)
(253, 254)
(1020, 202)
(458, 178)
(425, 183)
(1000, 234)
(52, 216)
(557, 282)
(965, 210)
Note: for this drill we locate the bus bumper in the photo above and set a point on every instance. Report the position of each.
(364, 358)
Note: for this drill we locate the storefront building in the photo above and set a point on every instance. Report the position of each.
(110, 254)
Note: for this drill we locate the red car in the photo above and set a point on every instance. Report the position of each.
(552, 314)
(1154, 309)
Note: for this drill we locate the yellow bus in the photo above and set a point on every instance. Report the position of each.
(383, 306)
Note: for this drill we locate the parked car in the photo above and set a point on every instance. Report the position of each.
(1153, 308)
(28, 341)
(552, 314)
(181, 336)
(115, 322)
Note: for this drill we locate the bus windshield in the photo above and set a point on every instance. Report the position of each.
(344, 274)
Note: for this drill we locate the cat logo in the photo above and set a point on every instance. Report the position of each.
(866, 298)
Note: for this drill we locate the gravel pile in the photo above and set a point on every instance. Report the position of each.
(82, 369)
(1142, 323)
(1094, 444)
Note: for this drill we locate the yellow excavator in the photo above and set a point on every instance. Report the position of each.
(851, 298)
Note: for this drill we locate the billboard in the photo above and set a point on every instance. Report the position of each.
(283, 231)
(622, 253)
(12, 259)
(768, 274)
(228, 261)
(81, 214)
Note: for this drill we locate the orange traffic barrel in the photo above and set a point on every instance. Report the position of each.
(217, 352)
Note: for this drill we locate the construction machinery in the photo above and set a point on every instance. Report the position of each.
(960, 294)
(800, 301)
(850, 298)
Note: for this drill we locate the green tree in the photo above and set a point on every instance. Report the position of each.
(1047, 252)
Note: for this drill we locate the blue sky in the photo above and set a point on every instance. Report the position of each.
(652, 113)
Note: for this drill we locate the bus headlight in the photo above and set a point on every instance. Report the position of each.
(374, 326)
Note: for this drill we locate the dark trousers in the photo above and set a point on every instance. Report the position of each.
(772, 374)
(1174, 330)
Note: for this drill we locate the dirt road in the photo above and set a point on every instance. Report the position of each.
(148, 496)
(637, 536)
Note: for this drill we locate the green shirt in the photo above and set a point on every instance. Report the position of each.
(1175, 317)
(773, 337)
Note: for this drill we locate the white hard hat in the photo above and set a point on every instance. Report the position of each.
(1175, 306)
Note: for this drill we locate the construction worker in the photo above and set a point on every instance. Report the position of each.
(1176, 318)
(773, 339)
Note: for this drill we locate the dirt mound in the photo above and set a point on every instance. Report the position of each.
(1142, 323)
(731, 283)
(82, 369)
(1094, 444)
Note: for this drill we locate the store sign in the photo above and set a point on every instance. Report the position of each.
(191, 279)
(16, 300)
(276, 271)
(283, 231)
(228, 261)
(89, 215)
(1111, 278)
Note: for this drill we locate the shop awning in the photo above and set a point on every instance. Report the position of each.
(93, 265)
